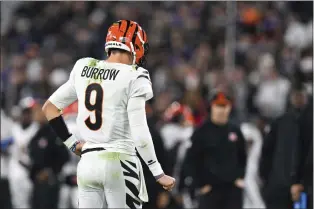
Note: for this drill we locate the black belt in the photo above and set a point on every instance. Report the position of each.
(92, 149)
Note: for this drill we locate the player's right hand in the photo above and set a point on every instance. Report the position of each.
(167, 182)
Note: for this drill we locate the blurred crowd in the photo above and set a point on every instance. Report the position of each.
(272, 73)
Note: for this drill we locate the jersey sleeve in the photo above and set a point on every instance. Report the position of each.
(65, 94)
(141, 85)
(141, 134)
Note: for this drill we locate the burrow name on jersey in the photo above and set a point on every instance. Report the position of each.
(99, 74)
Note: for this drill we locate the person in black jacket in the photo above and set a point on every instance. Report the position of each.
(303, 174)
(278, 160)
(216, 160)
(48, 155)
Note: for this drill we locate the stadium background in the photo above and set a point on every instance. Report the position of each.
(254, 51)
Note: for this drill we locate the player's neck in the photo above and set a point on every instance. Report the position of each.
(119, 58)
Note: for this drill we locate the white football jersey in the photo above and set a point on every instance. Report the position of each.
(103, 90)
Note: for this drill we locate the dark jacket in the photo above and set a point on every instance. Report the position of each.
(278, 159)
(303, 172)
(217, 155)
(47, 152)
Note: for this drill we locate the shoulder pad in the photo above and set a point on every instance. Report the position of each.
(143, 73)
(88, 61)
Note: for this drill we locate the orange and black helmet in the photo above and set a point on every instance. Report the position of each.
(129, 36)
(179, 112)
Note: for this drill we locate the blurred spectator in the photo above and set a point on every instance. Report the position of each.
(288, 62)
(176, 135)
(6, 142)
(47, 157)
(305, 74)
(297, 34)
(240, 93)
(302, 177)
(278, 161)
(22, 132)
(273, 90)
(217, 158)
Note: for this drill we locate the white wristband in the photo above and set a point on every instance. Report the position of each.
(71, 142)
(156, 169)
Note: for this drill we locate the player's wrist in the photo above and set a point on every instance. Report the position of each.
(159, 176)
(71, 143)
(156, 169)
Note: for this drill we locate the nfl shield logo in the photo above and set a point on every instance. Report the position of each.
(233, 137)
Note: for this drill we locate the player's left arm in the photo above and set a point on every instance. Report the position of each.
(60, 99)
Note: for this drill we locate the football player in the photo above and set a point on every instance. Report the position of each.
(111, 120)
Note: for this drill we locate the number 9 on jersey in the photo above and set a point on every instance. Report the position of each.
(94, 95)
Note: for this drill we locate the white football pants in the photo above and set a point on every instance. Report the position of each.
(109, 180)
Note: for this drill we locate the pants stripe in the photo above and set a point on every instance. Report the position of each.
(132, 197)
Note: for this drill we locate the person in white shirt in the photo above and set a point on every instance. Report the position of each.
(111, 120)
(22, 133)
